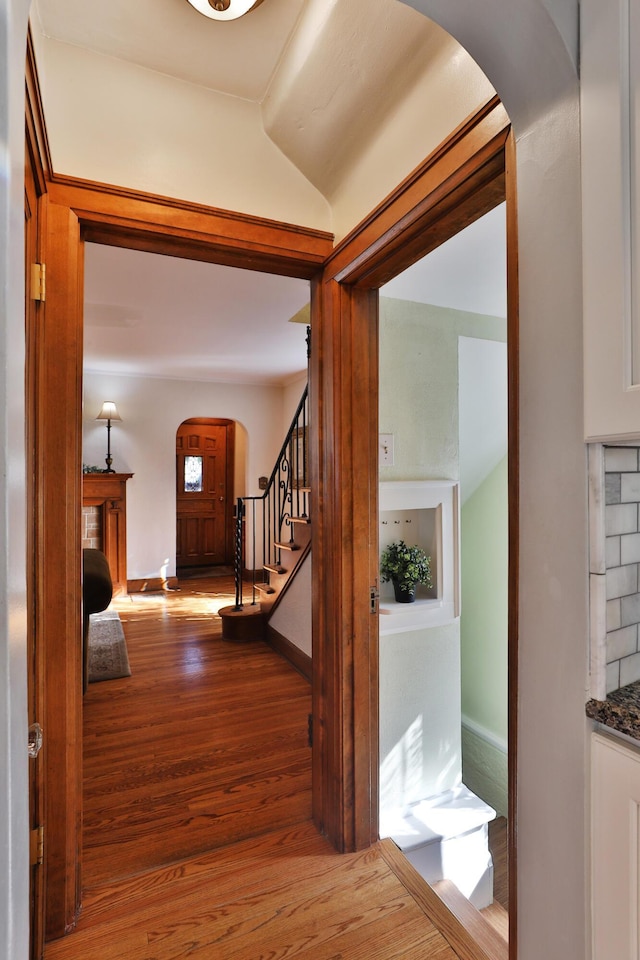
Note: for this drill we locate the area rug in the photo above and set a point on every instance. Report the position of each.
(108, 657)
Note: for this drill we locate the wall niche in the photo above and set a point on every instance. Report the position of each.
(426, 513)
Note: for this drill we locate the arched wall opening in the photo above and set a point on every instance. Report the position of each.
(538, 85)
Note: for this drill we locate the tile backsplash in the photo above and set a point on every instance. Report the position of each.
(622, 563)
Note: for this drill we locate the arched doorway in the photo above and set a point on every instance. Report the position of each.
(550, 189)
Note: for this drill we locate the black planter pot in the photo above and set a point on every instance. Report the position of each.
(404, 593)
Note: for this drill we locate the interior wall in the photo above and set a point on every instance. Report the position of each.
(484, 567)
(14, 806)
(483, 634)
(420, 707)
(108, 127)
(292, 616)
(291, 396)
(527, 58)
(484, 564)
(144, 444)
(450, 90)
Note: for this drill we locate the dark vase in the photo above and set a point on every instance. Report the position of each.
(404, 592)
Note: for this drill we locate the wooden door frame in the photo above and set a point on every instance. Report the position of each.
(230, 476)
(456, 184)
(37, 168)
(464, 178)
(76, 211)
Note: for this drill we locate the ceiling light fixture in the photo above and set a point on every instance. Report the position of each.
(224, 9)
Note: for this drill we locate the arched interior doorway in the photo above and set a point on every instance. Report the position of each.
(532, 192)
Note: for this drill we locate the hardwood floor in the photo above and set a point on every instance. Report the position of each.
(287, 894)
(205, 743)
(197, 836)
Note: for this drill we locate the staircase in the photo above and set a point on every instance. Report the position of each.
(272, 535)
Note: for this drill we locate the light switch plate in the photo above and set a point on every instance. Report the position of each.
(385, 448)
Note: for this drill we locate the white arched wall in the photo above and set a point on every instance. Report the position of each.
(531, 64)
(533, 71)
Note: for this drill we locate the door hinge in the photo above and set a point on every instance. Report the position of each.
(36, 847)
(310, 729)
(374, 596)
(38, 281)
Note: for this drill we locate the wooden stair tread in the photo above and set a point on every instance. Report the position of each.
(289, 545)
(274, 568)
(264, 588)
(300, 520)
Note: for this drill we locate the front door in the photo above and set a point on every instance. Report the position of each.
(204, 476)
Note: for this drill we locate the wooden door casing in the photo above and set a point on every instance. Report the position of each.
(34, 651)
(37, 170)
(204, 515)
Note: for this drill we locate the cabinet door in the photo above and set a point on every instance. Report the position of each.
(610, 123)
(615, 821)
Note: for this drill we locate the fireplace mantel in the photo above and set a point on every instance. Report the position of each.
(108, 491)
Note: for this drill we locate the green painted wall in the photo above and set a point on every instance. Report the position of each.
(483, 621)
(419, 384)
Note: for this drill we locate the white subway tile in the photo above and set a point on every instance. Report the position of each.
(630, 609)
(613, 676)
(622, 643)
(613, 615)
(629, 487)
(621, 518)
(612, 551)
(620, 458)
(612, 487)
(630, 548)
(622, 581)
(630, 669)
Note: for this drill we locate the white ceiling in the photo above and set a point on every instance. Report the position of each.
(326, 73)
(169, 36)
(149, 315)
(155, 316)
(468, 272)
(158, 316)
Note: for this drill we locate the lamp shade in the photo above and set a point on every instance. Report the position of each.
(108, 411)
(224, 9)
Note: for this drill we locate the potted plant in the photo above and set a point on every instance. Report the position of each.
(405, 567)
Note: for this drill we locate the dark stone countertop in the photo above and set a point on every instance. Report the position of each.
(620, 711)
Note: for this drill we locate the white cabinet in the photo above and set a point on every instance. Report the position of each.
(610, 123)
(610, 84)
(615, 848)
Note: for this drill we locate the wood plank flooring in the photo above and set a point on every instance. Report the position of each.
(198, 841)
(205, 743)
(284, 895)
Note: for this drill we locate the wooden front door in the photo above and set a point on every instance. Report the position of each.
(204, 478)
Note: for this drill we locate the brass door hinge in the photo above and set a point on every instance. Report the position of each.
(36, 847)
(38, 281)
